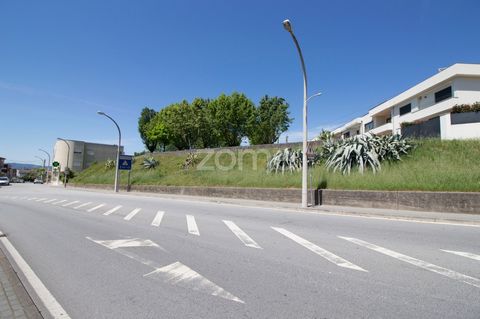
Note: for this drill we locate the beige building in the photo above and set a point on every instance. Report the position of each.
(82, 154)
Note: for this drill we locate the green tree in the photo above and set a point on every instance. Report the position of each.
(271, 119)
(145, 117)
(230, 117)
(209, 135)
(156, 130)
(182, 122)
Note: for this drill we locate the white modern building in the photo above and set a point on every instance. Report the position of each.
(426, 109)
(82, 154)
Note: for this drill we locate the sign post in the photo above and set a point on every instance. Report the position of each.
(125, 164)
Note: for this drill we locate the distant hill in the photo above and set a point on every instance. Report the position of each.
(23, 166)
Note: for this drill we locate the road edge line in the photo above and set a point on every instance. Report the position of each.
(48, 300)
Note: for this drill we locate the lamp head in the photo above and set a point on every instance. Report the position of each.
(100, 113)
(287, 25)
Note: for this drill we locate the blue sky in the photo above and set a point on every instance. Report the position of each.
(61, 61)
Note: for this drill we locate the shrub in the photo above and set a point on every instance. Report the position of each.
(150, 163)
(290, 160)
(109, 164)
(191, 160)
(465, 108)
(366, 151)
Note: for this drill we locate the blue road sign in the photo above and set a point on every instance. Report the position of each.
(125, 162)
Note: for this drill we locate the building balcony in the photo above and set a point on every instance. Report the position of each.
(386, 128)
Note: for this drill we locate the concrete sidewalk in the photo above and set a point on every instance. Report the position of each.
(14, 299)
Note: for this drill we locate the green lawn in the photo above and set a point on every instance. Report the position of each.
(434, 165)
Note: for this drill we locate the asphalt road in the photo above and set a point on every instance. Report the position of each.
(105, 255)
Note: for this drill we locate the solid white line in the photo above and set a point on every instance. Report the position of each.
(244, 238)
(463, 254)
(339, 261)
(417, 262)
(95, 208)
(71, 203)
(51, 304)
(113, 210)
(192, 225)
(41, 199)
(132, 213)
(82, 205)
(158, 218)
(59, 202)
(50, 200)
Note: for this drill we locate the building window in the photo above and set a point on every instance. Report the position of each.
(358, 132)
(368, 126)
(346, 135)
(388, 120)
(443, 94)
(406, 109)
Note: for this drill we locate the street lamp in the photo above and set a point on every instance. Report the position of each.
(65, 170)
(49, 163)
(288, 26)
(118, 150)
(43, 161)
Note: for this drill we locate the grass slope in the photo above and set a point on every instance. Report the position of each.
(434, 165)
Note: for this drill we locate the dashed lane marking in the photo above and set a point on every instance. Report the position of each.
(417, 262)
(244, 238)
(95, 208)
(113, 210)
(59, 202)
(192, 225)
(132, 213)
(82, 205)
(71, 203)
(339, 261)
(463, 254)
(158, 218)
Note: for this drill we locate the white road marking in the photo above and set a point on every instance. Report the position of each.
(417, 262)
(158, 218)
(41, 199)
(463, 254)
(32, 198)
(124, 243)
(182, 275)
(95, 208)
(82, 205)
(132, 213)
(49, 301)
(59, 202)
(113, 210)
(244, 238)
(71, 203)
(339, 261)
(50, 200)
(192, 225)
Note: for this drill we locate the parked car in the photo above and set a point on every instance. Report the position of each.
(38, 181)
(17, 180)
(4, 181)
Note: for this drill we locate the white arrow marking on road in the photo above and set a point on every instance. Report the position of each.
(417, 262)
(158, 218)
(59, 202)
(123, 243)
(244, 238)
(132, 213)
(181, 275)
(113, 210)
(49, 201)
(71, 203)
(95, 208)
(192, 225)
(339, 261)
(463, 254)
(175, 273)
(82, 205)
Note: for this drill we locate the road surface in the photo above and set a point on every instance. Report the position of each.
(105, 255)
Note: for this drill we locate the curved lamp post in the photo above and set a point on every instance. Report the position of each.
(118, 150)
(43, 162)
(288, 26)
(65, 170)
(49, 163)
